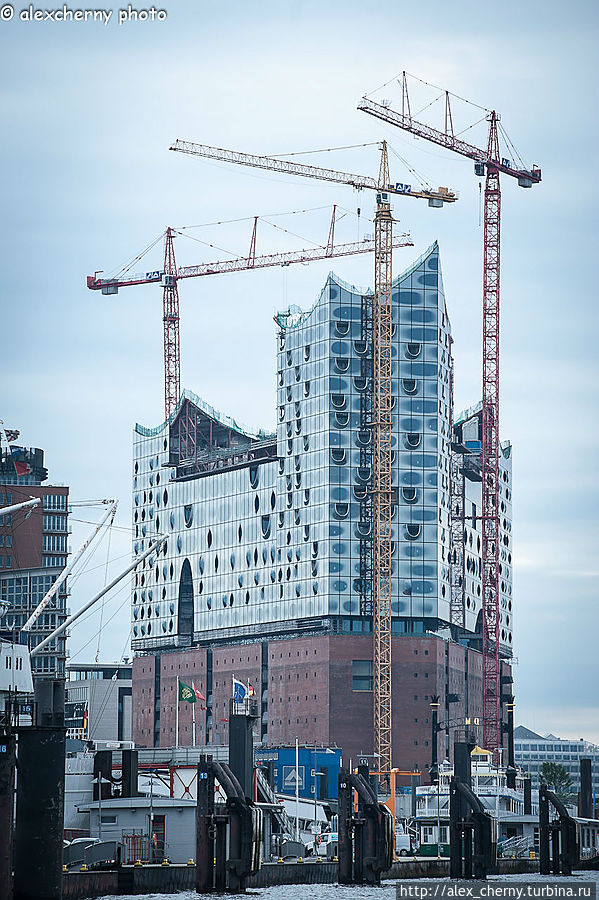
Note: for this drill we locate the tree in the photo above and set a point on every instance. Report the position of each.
(555, 776)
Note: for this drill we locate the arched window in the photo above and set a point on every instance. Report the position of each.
(338, 455)
(185, 610)
(341, 510)
(409, 494)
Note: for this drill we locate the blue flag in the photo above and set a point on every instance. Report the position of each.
(240, 691)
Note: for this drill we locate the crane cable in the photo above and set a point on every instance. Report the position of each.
(324, 150)
(127, 266)
(180, 231)
(112, 684)
(108, 621)
(293, 212)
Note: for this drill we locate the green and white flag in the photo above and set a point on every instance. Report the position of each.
(186, 693)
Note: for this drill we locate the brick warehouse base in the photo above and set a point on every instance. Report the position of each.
(315, 689)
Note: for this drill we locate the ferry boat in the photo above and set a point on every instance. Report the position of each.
(517, 830)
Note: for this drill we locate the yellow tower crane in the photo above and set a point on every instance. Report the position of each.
(382, 329)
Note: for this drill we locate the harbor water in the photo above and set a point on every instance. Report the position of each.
(358, 892)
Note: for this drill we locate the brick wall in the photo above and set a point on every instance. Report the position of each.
(310, 694)
(298, 685)
(190, 666)
(142, 701)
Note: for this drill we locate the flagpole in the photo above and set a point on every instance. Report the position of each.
(296, 790)
(177, 716)
(193, 723)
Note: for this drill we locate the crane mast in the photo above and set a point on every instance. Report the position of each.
(170, 319)
(488, 159)
(490, 451)
(382, 488)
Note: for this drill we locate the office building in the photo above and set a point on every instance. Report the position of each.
(532, 750)
(98, 701)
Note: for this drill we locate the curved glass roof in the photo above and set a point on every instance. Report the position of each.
(295, 316)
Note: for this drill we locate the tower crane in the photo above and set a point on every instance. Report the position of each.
(382, 328)
(487, 160)
(169, 276)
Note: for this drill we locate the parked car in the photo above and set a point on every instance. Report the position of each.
(403, 844)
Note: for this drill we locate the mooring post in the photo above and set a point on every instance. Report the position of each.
(455, 830)
(544, 862)
(205, 828)
(7, 801)
(344, 843)
(585, 798)
(220, 882)
(40, 814)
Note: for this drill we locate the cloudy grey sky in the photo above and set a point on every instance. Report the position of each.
(88, 114)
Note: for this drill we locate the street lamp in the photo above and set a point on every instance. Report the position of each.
(499, 751)
(98, 781)
(434, 770)
(151, 828)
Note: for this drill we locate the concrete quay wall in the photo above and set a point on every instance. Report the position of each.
(170, 879)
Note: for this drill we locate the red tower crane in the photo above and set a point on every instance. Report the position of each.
(487, 161)
(171, 274)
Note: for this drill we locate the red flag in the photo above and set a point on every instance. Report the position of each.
(22, 468)
(197, 692)
(250, 690)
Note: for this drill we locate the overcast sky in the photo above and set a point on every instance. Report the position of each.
(88, 114)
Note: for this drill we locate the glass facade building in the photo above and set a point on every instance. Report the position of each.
(270, 535)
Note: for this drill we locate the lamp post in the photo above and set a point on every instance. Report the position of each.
(151, 829)
(438, 818)
(99, 780)
(296, 790)
(315, 796)
(499, 751)
(434, 770)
